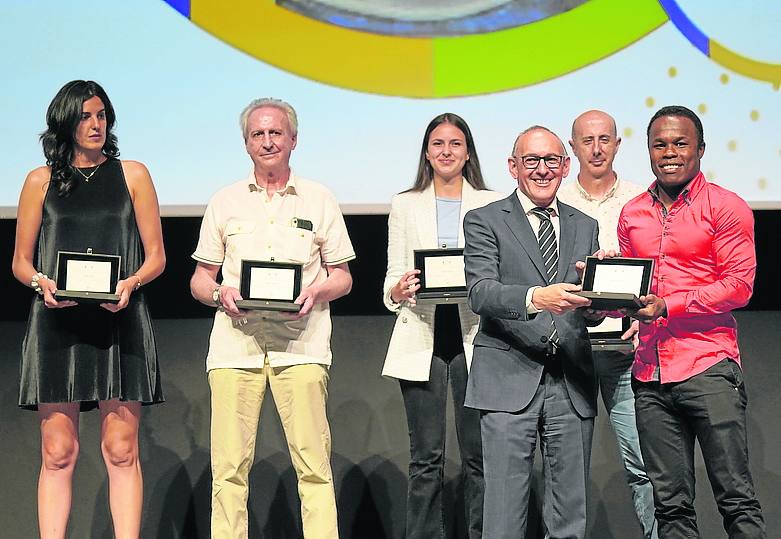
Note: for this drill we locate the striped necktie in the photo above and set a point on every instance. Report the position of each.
(546, 237)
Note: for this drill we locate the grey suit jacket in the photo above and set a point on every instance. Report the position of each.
(502, 261)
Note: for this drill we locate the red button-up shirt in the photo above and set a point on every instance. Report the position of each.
(704, 266)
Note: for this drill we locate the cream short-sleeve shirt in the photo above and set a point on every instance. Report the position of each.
(241, 222)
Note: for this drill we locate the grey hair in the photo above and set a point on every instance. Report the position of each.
(255, 104)
(538, 128)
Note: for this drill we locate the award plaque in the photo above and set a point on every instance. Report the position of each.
(607, 335)
(442, 278)
(87, 277)
(615, 283)
(270, 286)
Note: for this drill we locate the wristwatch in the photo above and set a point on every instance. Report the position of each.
(216, 296)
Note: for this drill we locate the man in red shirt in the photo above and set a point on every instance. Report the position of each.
(687, 376)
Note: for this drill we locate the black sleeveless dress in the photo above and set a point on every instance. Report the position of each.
(85, 353)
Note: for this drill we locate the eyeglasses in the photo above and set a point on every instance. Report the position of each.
(533, 161)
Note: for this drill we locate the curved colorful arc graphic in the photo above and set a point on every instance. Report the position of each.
(717, 52)
(426, 67)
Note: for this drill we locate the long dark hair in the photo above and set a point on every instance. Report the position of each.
(62, 118)
(471, 170)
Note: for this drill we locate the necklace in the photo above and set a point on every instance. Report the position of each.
(86, 176)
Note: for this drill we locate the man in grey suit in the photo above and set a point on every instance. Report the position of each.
(532, 376)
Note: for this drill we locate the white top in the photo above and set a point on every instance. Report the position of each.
(535, 223)
(242, 223)
(412, 224)
(606, 210)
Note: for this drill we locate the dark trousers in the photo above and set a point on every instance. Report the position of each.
(709, 407)
(509, 444)
(425, 404)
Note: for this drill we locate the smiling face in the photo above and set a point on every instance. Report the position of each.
(90, 134)
(446, 151)
(595, 143)
(540, 183)
(675, 152)
(270, 139)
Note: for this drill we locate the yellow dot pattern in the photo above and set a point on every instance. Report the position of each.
(649, 102)
(702, 108)
(628, 133)
(724, 78)
(762, 183)
(710, 175)
(672, 72)
(754, 115)
(732, 145)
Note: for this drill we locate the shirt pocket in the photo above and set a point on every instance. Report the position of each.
(239, 236)
(298, 244)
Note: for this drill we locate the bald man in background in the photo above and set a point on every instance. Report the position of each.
(599, 193)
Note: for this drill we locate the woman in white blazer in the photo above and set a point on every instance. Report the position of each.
(431, 345)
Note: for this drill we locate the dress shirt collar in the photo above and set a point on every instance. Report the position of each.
(688, 194)
(290, 186)
(528, 205)
(610, 193)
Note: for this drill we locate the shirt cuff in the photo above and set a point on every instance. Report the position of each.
(530, 308)
(676, 304)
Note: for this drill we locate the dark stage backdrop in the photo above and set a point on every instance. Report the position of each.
(169, 295)
(370, 446)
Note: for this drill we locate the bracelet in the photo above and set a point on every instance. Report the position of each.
(140, 282)
(35, 284)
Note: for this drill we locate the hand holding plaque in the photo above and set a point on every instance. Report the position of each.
(87, 277)
(270, 286)
(616, 283)
(442, 278)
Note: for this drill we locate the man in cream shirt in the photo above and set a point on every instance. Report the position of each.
(599, 193)
(271, 215)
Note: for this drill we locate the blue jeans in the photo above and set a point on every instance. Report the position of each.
(425, 405)
(614, 370)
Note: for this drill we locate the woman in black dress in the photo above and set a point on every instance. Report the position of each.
(77, 357)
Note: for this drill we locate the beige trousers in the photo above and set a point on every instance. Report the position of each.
(300, 393)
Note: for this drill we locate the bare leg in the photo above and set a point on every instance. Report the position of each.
(59, 451)
(119, 445)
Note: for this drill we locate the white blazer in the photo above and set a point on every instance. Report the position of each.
(413, 225)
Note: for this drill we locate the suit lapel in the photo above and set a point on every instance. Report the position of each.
(519, 226)
(567, 232)
(426, 219)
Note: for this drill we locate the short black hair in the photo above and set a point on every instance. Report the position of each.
(680, 111)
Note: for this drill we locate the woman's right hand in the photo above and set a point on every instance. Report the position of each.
(49, 288)
(405, 289)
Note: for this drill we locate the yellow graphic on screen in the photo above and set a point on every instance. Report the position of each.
(433, 48)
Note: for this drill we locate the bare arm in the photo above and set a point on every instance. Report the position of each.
(338, 284)
(28, 225)
(203, 283)
(147, 213)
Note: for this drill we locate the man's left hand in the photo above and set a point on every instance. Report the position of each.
(654, 307)
(307, 299)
